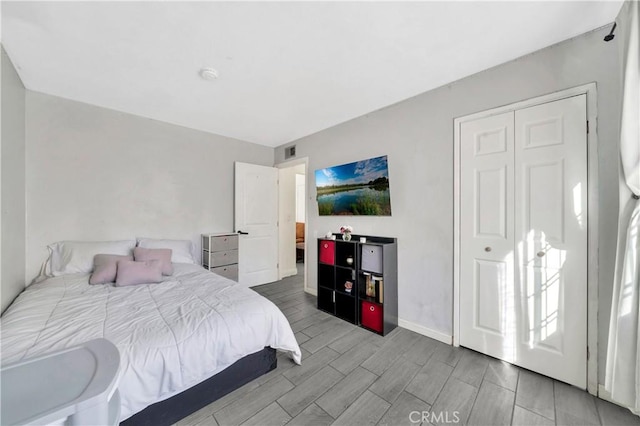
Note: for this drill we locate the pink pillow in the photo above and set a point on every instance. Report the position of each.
(105, 268)
(132, 273)
(141, 254)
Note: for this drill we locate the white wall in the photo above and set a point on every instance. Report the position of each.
(301, 201)
(98, 174)
(417, 136)
(287, 222)
(288, 216)
(12, 264)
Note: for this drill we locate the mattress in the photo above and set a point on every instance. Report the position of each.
(170, 335)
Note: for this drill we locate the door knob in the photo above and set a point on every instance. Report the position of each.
(487, 249)
(540, 254)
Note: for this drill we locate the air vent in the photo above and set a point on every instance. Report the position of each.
(290, 151)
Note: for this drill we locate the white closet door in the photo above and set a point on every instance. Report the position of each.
(487, 314)
(523, 238)
(551, 237)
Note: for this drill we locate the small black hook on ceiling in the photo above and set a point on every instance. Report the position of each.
(610, 36)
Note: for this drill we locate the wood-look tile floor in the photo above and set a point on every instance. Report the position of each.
(350, 376)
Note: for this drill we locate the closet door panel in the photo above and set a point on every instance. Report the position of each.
(544, 195)
(490, 202)
(551, 239)
(486, 246)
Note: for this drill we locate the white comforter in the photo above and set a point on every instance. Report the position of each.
(171, 335)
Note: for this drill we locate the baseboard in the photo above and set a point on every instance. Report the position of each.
(288, 273)
(311, 291)
(436, 335)
(604, 394)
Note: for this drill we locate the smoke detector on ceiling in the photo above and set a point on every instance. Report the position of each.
(208, 74)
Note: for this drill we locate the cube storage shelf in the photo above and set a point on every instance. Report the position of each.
(358, 282)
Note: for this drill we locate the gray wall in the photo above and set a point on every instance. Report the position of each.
(12, 184)
(97, 174)
(417, 136)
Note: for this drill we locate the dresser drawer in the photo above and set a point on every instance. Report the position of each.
(220, 243)
(219, 258)
(229, 271)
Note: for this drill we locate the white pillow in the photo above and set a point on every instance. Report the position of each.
(181, 250)
(72, 257)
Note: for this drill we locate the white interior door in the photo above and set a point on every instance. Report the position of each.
(523, 238)
(256, 219)
(551, 235)
(486, 298)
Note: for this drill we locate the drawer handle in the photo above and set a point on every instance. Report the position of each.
(541, 254)
(487, 249)
(371, 251)
(371, 308)
(225, 254)
(326, 245)
(225, 239)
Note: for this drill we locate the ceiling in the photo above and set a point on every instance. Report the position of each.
(286, 69)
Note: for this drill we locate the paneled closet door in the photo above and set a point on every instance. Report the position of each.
(523, 238)
(487, 316)
(551, 238)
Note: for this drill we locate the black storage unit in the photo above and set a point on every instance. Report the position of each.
(358, 282)
(337, 287)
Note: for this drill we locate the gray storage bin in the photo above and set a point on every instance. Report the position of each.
(220, 258)
(220, 242)
(371, 258)
(229, 271)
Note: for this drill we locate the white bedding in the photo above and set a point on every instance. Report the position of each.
(171, 335)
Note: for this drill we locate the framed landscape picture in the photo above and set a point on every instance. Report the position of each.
(360, 188)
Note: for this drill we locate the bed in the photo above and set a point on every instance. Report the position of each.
(173, 336)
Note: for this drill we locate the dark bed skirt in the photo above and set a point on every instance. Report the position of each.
(191, 400)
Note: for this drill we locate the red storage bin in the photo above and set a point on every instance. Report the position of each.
(327, 252)
(371, 316)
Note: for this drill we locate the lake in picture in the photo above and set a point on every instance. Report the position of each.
(360, 188)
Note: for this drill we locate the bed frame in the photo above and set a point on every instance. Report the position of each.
(231, 378)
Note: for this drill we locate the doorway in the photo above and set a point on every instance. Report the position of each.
(292, 217)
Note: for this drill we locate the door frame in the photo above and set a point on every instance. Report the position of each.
(292, 163)
(590, 90)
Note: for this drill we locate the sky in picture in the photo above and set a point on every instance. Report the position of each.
(353, 173)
